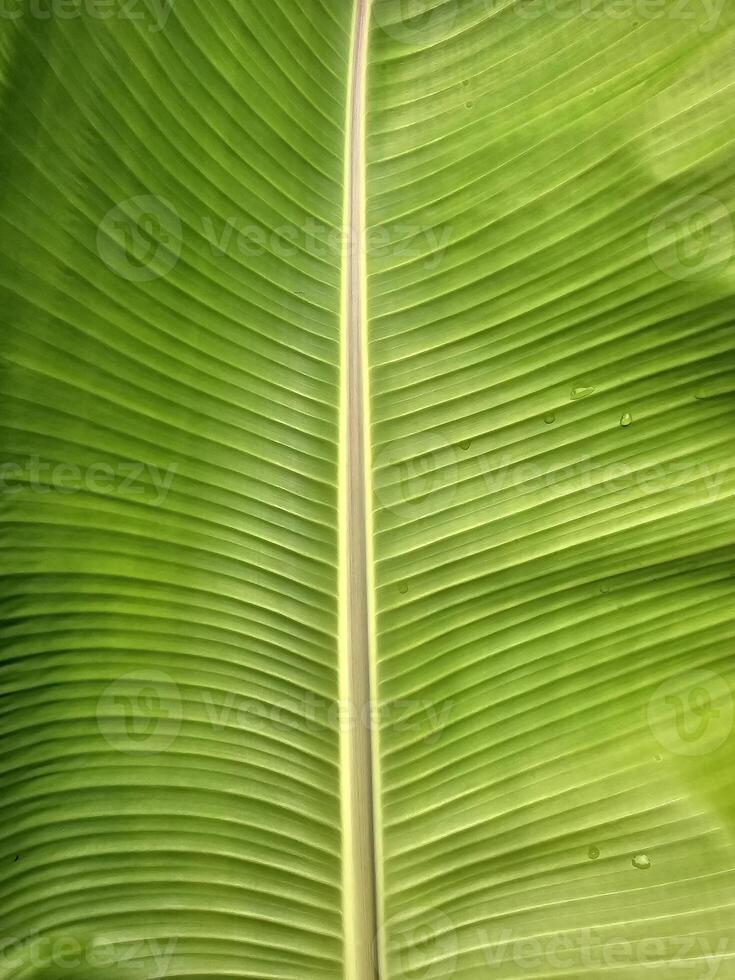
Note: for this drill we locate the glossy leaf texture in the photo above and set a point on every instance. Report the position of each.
(550, 257)
(170, 354)
(552, 398)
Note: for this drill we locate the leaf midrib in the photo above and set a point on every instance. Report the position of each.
(357, 680)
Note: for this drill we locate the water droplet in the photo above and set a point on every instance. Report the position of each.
(469, 104)
(642, 862)
(593, 853)
(626, 419)
(604, 589)
(403, 587)
(658, 758)
(465, 444)
(466, 82)
(581, 391)
(550, 419)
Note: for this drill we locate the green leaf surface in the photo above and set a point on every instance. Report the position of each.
(171, 766)
(553, 441)
(548, 266)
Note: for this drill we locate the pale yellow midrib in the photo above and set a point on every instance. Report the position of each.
(358, 741)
